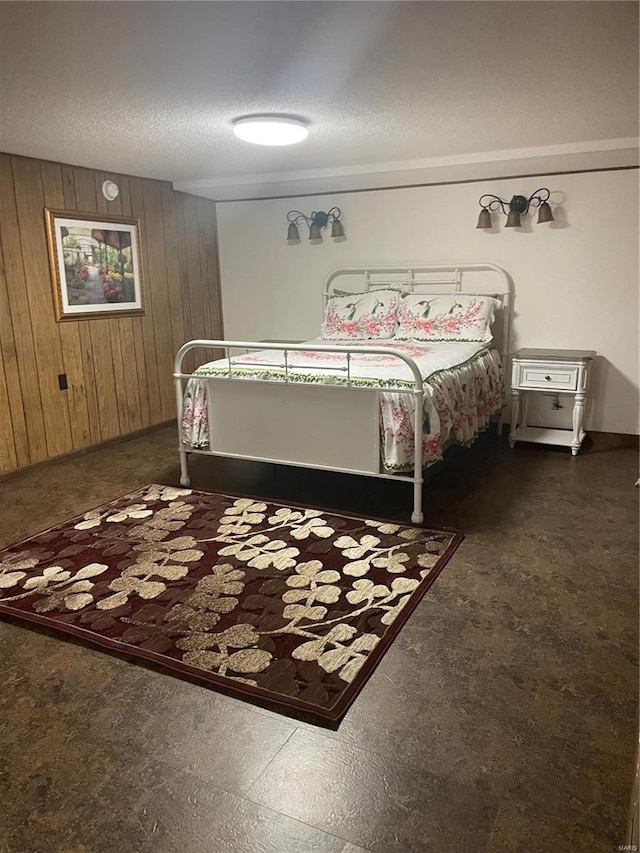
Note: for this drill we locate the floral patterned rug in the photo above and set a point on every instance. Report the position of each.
(289, 607)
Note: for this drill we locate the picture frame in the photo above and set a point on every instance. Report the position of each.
(95, 265)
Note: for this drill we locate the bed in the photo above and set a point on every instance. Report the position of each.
(402, 352)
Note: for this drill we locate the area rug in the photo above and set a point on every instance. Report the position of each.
(290, 607)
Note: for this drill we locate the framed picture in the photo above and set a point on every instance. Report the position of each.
(95, 265)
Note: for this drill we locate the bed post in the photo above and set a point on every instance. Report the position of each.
(417, 516)
(504, 353)
(185, 480)
(177, 369)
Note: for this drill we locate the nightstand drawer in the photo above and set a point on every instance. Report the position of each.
(557, 377)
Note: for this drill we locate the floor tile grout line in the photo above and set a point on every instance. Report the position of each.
(344, 841)
(269, 763)
(246, 796)
(214, 786)
(346, 745)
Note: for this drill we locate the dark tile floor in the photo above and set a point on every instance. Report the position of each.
(503, 718)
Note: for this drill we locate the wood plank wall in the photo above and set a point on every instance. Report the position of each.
(118, 370)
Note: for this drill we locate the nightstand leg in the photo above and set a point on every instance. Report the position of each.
(524, 408)
(515, 408)
(578, 415)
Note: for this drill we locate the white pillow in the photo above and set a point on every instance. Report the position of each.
(458, 317)
(361, 316)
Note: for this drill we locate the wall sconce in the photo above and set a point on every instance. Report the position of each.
(516, 207)
(318, 219)
(110, 190)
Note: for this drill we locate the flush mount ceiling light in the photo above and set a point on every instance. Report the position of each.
(270, 129)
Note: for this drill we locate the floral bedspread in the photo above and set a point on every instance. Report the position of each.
(464, 387)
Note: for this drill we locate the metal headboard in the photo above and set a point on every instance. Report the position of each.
(473, 279)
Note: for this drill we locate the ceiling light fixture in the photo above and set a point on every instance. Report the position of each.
(270, 129)
(518, 205)
(318, 219)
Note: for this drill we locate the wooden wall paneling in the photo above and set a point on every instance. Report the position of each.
(209, 263)
(135, 325)
(118, 368)
(13, 430)
(161, 305)
(214, 269)
(8, 433)
(200, 325)
(101, 347)
(213, 277)
(86, 346)
(187, 305)
(147, 319)
(27, 180)
(133, 382)
(17, 297)
(202, 220)
(130, 373)
(69, 188)
(113, 324)
(176, 296)
(78, 191)
(59, 194)
(8, 459)
(208, 255)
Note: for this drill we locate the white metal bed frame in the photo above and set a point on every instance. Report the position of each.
(337, 429)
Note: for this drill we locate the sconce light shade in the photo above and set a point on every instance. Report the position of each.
(293, 235)
(544, 213)
(513, 219)
(337, 231)
(484, 220)
(318, 220)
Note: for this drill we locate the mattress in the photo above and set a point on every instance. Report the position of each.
(463, 388)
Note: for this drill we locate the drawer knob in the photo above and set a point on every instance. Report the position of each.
(548, 378)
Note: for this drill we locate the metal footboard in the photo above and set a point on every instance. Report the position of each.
(286, 377)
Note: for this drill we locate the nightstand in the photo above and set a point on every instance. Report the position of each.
(565, 371)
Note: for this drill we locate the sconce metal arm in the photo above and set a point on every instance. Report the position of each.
(538, 199)
(298, 217)
(518, 202)
(318, 217)
(494, 204)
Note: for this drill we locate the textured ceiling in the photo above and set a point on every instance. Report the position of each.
(151, 88)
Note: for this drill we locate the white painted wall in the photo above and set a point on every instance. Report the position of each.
(576, 280)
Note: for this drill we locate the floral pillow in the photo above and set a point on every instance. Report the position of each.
(361, 316)
(459, 317)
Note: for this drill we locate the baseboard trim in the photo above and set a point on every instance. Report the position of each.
(599, 442)
(624, 439)
(73, 454)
